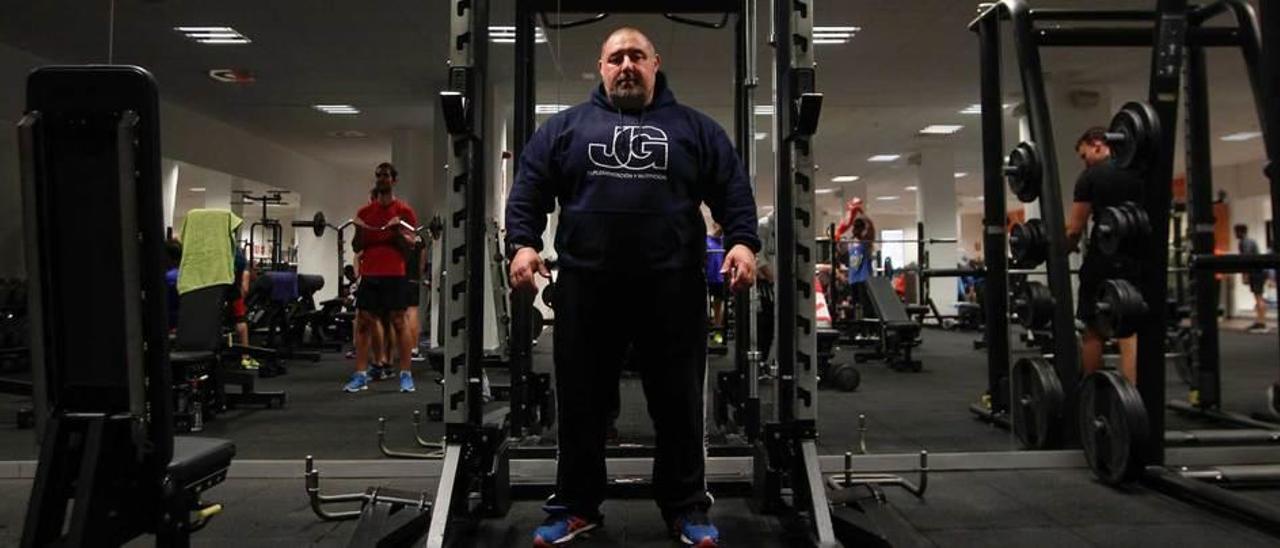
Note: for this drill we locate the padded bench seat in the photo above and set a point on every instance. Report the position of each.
(200, 463)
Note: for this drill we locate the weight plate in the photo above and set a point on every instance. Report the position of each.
(1036, 405)
(846, 377)
(1023, 172)
(1113, 427)
(1036, 310)
(1139, 127)
(318, 224)
(536, 323)
(549, 295)
(1108, 229)
(1028, 243)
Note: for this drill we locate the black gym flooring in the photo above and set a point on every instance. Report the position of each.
(907, 412)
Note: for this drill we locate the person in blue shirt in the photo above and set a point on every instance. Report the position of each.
(630, 169)
(715, 282)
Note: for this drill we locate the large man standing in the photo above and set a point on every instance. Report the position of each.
(630, 169)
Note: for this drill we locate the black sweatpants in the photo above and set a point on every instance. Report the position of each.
(663, 317)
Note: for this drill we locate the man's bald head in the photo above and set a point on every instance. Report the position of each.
(628, 68)
(637, 33)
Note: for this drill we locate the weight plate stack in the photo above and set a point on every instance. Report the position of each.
(1029, 243)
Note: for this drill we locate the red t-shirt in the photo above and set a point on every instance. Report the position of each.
(381, 256)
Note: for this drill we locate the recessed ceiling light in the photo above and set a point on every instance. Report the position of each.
(940, 129)
(976, 108)
(336, 109)
(887, 198)
(1241, 136)
(549, 108)
(196, 189)
(213, 35)
(824, 191)
(500, 34)
(845, 178)
(961, 174)
(760, 135)
(911, 188)
(833, 35)
(764, 110)
(884, 158)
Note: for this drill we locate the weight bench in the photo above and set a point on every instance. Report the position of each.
(896, 333)
(200, 352)
(110, 468)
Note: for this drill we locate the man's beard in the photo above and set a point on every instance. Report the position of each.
(628, 97)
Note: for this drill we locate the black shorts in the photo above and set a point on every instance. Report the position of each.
(1095, 271)
(716, 291)
(1257, 281)
(381, 294)
(412, 292)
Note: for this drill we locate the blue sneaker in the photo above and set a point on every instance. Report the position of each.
(561, 527)
(694, 529)
(359, 381)
(406, 382)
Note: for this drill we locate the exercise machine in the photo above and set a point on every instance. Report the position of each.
(110, 468)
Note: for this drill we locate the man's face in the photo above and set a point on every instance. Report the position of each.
(1093, 153)
(629, 69)
(382, 185)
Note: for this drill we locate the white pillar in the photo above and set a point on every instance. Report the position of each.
(169, 171)
(936, 208)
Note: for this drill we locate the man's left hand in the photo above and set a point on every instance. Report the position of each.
(740, 263)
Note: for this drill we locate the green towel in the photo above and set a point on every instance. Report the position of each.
(208, 252)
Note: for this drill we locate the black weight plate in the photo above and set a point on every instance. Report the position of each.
(549, 295)
(1113, 427)
(1038, 311)
(535, 323)
(1036, 403)
(318, 224)
(1108, 230)
(1024, 172)
(846, 377)
(1135, 309)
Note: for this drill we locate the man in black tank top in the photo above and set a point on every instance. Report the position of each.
(1101, 185)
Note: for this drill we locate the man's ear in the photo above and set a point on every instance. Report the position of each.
(657, 61)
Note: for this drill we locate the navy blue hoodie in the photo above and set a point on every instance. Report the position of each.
(629, 186)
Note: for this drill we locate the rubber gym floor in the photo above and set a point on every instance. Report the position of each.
(907, 412)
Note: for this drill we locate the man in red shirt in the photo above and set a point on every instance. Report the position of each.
(382, 275)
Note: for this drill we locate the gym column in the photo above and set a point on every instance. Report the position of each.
(936, 208)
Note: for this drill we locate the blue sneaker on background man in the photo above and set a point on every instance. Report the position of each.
(359, 381)
(406, 382)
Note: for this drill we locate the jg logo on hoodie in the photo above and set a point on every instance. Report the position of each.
(635, 149)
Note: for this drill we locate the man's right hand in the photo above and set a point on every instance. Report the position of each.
(524, 266)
